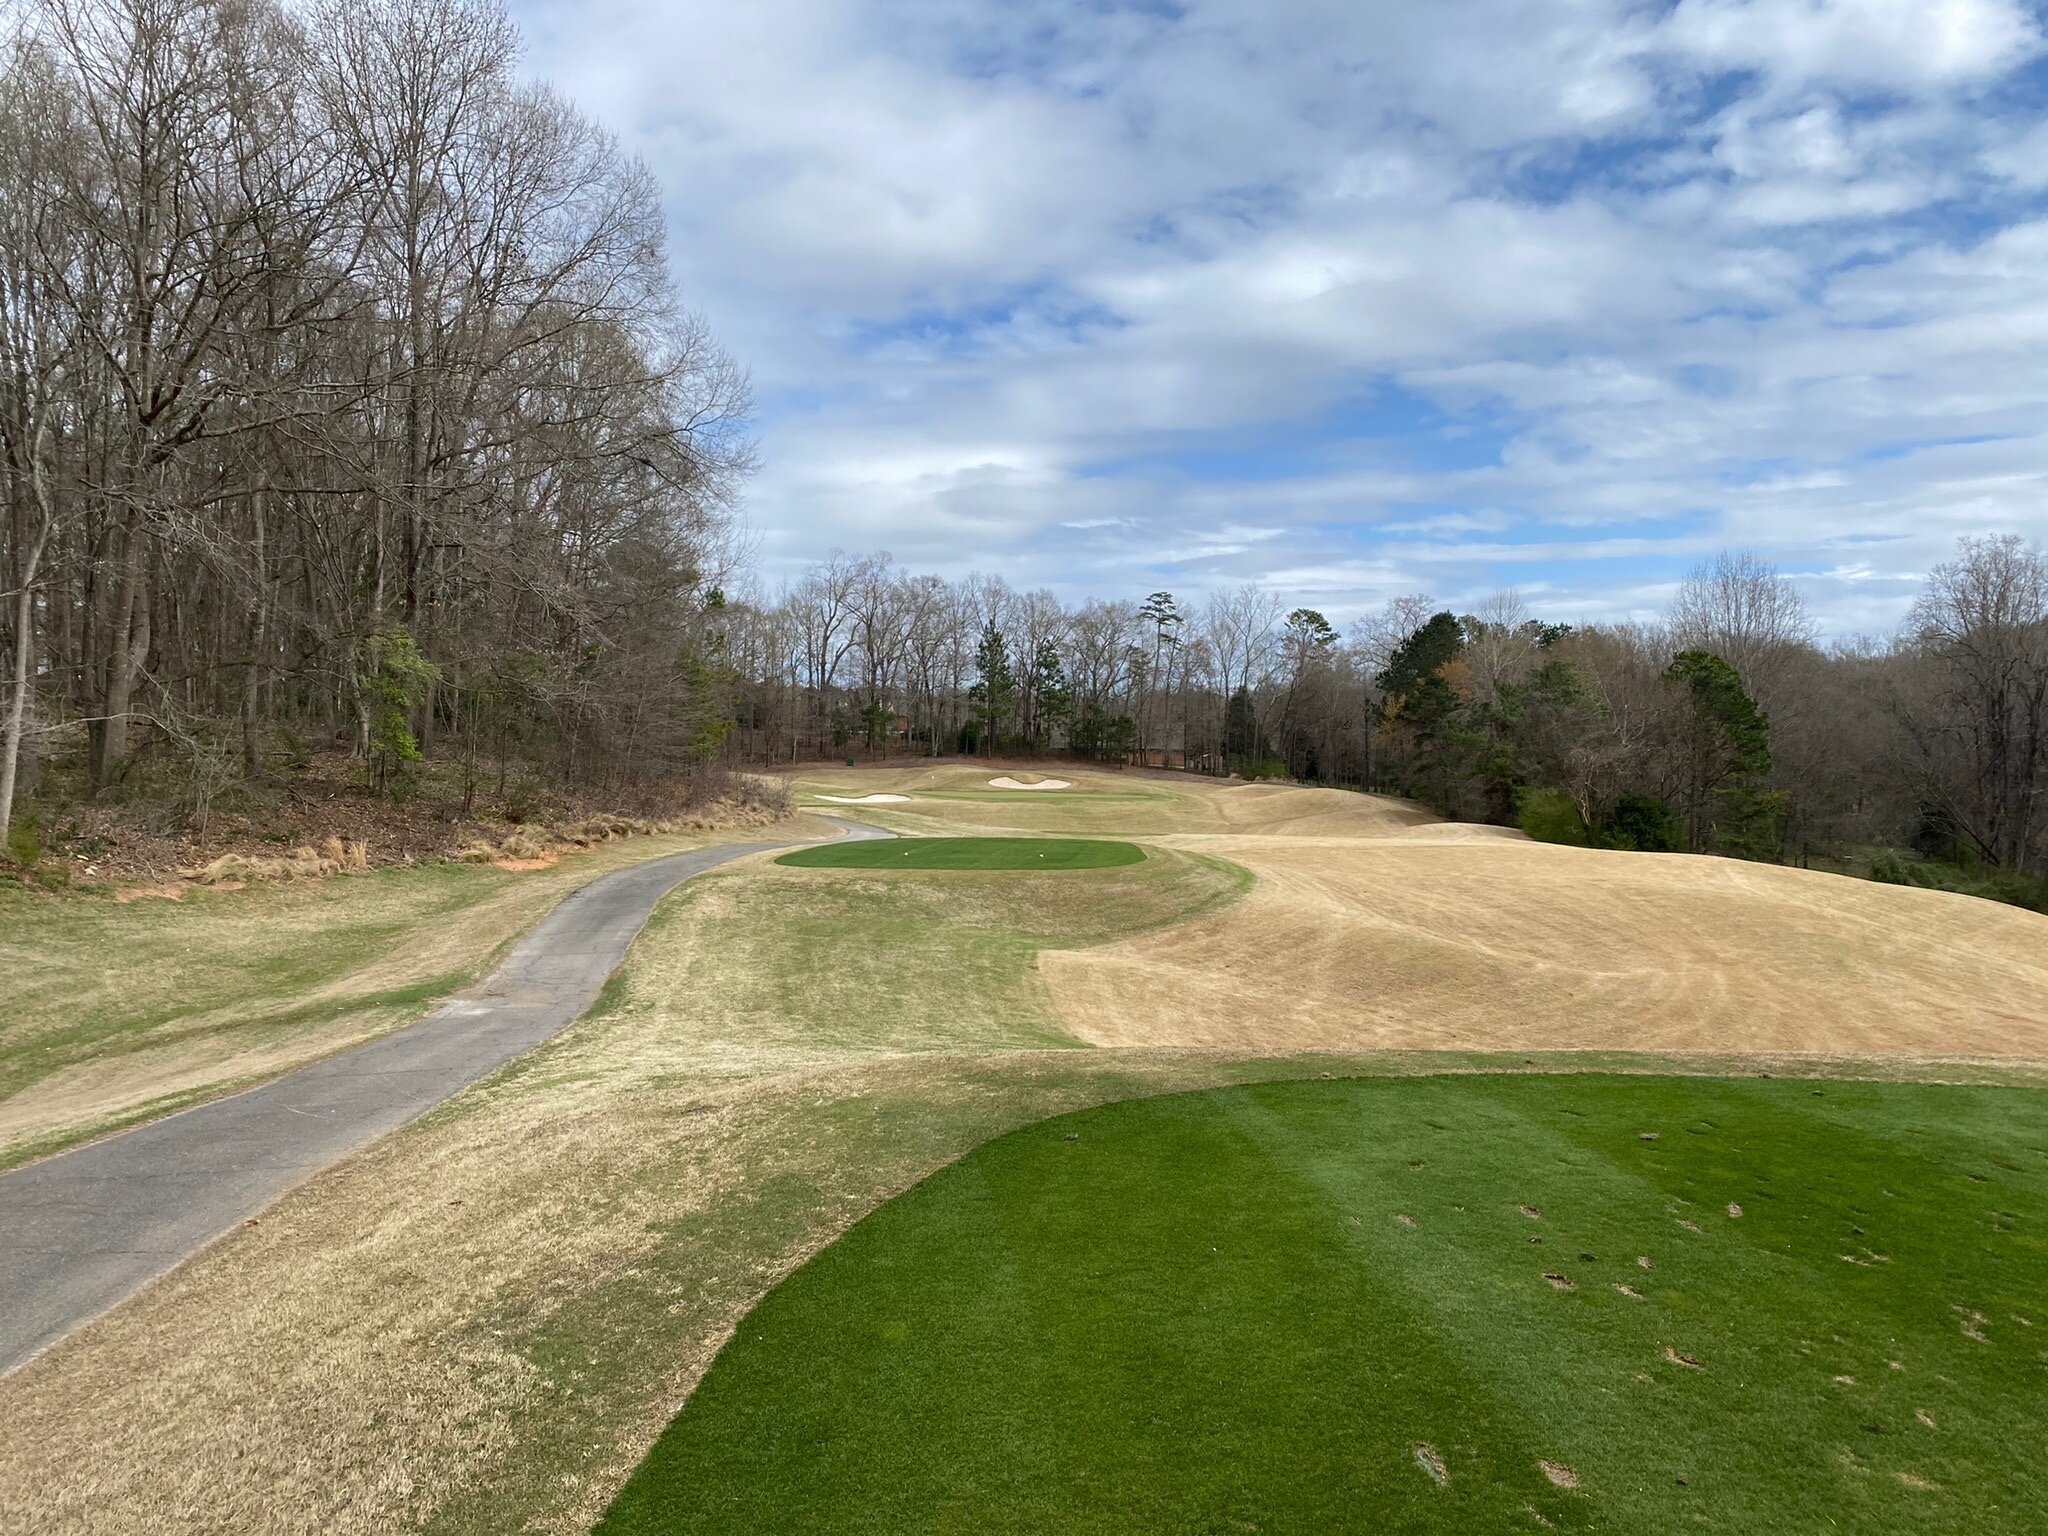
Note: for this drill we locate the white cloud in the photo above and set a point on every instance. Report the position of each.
(1087, 292)
(1903, 44)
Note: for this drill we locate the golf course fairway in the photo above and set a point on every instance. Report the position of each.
(1465, 1303)
(1021, 853)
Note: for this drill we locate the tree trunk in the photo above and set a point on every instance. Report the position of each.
(252, 679)
(127, 645)
(24, 670)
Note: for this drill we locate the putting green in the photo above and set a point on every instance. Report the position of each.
(968, 853)
(1581, 1303)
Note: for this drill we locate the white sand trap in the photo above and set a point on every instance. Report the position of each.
(866, 799)
(1006, 782)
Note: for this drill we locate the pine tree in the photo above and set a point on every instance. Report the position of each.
(994, 693)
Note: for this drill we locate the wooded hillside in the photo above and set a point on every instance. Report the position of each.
(344, 397)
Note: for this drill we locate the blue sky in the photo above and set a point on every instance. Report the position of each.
(1364, 298)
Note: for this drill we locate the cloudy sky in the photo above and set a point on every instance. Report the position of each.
(1364, 297)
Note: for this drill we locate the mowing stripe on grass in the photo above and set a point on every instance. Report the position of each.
(1792, 1306)
(1042, 853)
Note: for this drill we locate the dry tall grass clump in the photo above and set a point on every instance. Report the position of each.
(330, 856)
(742, 801)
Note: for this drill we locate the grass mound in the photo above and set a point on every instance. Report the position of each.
(969, 853)
(1580, 1303)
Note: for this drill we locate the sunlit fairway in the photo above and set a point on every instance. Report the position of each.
(1453, 1304)
(1171, 1322)
(1039, 853)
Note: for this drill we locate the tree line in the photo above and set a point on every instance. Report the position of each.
(346, 399)
(345, 396)
(1724, 727)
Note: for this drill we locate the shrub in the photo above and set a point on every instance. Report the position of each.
(1640, 822)
(25, 841)
(1549, 816)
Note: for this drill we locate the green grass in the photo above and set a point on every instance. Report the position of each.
(1206, 1313)
(1040, 853)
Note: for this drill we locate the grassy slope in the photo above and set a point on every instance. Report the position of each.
(1205, 1313)
(1012, 853)
(481, 1323)
(117, 1012)
(774, 967)
(509, 1297)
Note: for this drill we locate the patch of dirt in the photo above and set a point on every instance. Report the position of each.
(1559, 1474)
(1530, 1211)
(1405, 1219)
(1919, 1483)
(1629, 1291)
(1560, 1282)
(1427, 1458)
(1734, 1210)
(170, 892)
(1925, 1418)
(1643, 1261)
(1678, 1357)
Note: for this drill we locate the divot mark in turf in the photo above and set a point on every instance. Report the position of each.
(1426, 1457)
(1919, 1483)
(1690, 1226)
(1530, 1211)
(1405, 1219)
(1629, 1291)
(1560, 1282)
(1679, 1357)
(1559, 1474)
(1925, 1418)
(1734, 1211)
(1643, 1261)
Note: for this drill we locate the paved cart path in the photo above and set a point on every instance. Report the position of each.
(85, 1229)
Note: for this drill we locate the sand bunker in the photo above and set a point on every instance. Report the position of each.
(1006, 782)
(866, 799)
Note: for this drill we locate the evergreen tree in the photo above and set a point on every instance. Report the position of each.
(1724, 760)
(994, 693)
(1050, 687)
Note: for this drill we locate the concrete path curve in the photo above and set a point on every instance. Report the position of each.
(85, 1229)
